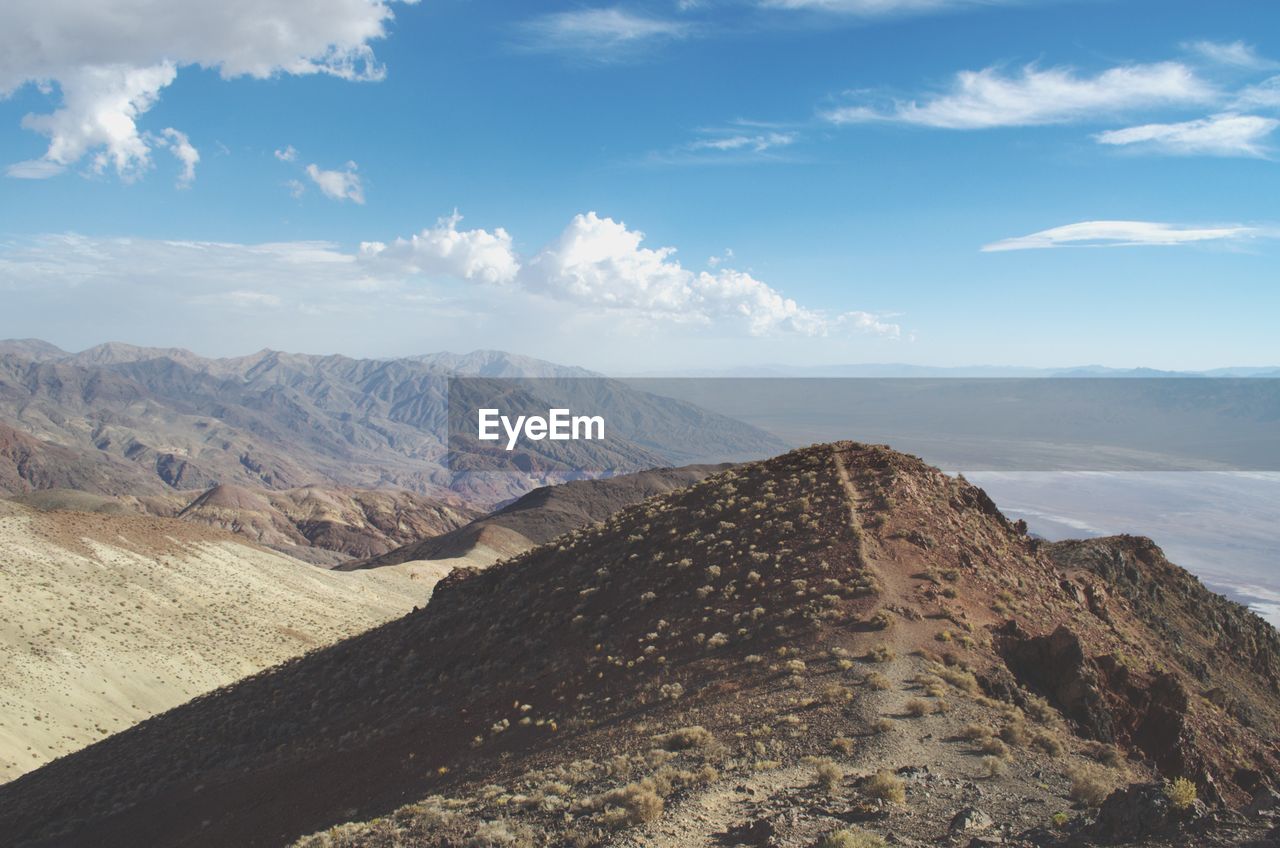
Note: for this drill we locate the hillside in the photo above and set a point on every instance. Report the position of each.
(106, 619)
(841, 638)
(540, 516)
(157, 420)
(319, 525)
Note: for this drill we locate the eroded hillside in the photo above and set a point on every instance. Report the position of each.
(106, 620)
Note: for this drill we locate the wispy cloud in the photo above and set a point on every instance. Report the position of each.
(1127, 234)
(1262, 95)
(870, 8)
(1033, 96)
(1219, 135)
(739, 143)
(603, 34)
(758, 143)
(1235, 53)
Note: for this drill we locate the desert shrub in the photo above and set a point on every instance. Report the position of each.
(1048, 743)
(1181, 793)
(1015, 734)
(882, 725)
(828, 775)
(961, 679)
(917, 707)
(880, 654)
(849, 838)
(1040, 710)
(992, 766)
(877, 681)
(501, 834)
(882, 620)
(974, 732)
(842, 744)
(995, 748)
(1108, 755)
(634, 803)
(1089, 785)
(685, 738)
(888, 787)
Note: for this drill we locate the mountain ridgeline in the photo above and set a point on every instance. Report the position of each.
(839, 643)
(118, 419)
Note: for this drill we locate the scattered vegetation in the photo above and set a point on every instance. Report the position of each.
(849, 838)
(1181, 793)
(1090, 785)
(888, 787)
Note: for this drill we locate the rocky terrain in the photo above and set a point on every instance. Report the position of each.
(838, 647)
(108, 618)
(119, 419)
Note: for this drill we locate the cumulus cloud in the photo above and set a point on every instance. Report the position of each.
(600, 34)
(289, 154)
(110, 59)
(596, 263)
(1034, 96)
(1219, 135)
(599, 262)
(339, 185)
(1126, 234)
(447, 251)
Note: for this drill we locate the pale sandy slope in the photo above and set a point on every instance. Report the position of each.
(108, 619)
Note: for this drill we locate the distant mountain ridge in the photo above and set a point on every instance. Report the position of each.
(122, 419)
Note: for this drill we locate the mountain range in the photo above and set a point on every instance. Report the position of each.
(119, 419)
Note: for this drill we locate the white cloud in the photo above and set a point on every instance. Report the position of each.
(1263, 95)
(34, 169)
(180, 146)
(757, 143)
(110, 60)
(445, 250)
(869, 8)
(1234, 53)
(100, 107)
(1032, 96)
(339, 185)
(289, 154)
(602, 34)
(1219, 135)
(1126, 234)
(598, 262)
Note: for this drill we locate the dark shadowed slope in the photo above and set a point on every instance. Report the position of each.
(543, 514)
(666, 678)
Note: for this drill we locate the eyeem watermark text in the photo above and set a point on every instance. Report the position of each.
(560, 425)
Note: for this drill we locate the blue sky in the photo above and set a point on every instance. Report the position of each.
(815, 180)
